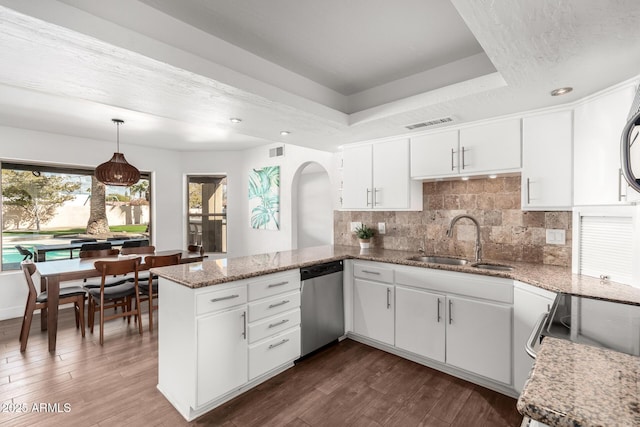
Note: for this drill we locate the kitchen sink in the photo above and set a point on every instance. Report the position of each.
(489, 266)
(439, 260)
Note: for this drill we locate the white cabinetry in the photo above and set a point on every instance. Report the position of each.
(492, 147)
(598, 128)
(529, 303)
(376, 176)
(222, 353)
(420, 322)
(489, 148)
(373, 303)
(547, 161)
(479, 337)
(217, 342)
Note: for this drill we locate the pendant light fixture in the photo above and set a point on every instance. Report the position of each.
(117, 171)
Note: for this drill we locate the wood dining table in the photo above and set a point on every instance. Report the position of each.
(54, 272)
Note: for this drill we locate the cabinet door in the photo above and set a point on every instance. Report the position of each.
(357, 177)
(479, 338)
(420, 322)
(598, 127)
(222, 354)
(492, 147)
(373, 310)
(528, 305)
(434, 155)
(547, 159)
(391, 174)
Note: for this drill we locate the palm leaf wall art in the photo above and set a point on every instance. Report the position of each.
(264, 198)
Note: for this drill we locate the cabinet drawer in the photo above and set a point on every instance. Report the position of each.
(269, 307)
(273, 353)
(367, 271)
(274, 285)
(273, 325)
(217, 300)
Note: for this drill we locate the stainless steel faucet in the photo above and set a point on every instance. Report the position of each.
(478, 247)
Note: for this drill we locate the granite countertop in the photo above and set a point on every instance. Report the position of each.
(553, 278)
(578, 385)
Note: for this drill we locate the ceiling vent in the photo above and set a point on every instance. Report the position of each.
(430, 123)
(276, 152)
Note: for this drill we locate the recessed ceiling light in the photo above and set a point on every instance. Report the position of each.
(561, 91)
(235, 120)
(465, 178)
(494, 176)
(284, 132)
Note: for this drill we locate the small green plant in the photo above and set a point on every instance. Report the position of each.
(364, 232)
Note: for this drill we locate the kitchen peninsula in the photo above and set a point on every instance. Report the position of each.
(215, 322)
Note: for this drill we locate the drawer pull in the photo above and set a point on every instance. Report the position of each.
(278, 343)
(371, 272)
(282, 322)
(244, 325)
(278, 304)
(225, 298)
(273, 285)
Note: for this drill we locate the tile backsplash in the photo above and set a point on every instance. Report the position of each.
(507, 232)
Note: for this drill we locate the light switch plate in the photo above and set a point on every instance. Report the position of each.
(355, 225)
(382, 228)
(556, 237)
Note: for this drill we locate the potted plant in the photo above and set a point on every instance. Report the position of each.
(364, 234)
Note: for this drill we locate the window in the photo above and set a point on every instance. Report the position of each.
(46, 205)
(207, 207)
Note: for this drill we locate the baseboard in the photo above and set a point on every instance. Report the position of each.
(11, 313)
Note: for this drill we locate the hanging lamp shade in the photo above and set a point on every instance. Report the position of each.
(117, 171)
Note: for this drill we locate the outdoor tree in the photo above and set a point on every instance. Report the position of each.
(141, 188)
(32, 198)
(97, 223)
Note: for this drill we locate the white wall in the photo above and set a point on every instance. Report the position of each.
(241, 238)
(165, 166)
(314, 209)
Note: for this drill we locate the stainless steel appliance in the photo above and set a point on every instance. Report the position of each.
(322, 305)
(590, 321)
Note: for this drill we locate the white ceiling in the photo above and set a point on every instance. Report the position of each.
(331, 72)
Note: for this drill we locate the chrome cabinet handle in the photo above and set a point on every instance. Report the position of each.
(452, 153)
(535, 333)
(279, 304)
(528, 191)
(244, 325)
(371, 272)
(225, 298)
(463, 165)
(375, 196)
(273, 285)
(450, 306)
(388, 298)
(438, 310)
(282, 322)
(278, 343)
(368, 202)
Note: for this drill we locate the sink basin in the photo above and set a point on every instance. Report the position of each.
(489, 266)
(439, 260)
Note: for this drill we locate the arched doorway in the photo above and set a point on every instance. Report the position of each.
(313, 205)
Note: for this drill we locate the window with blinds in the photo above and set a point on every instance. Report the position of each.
(606, 247)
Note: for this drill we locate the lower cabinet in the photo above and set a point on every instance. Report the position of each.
(479, 337)
(420, 322)
(373, 313)
(222, 353)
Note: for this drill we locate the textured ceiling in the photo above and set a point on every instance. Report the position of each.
(176, 76)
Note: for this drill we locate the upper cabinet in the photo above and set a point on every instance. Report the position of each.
(597, 132)
(489, 148)
(376, 176)
(547, 159)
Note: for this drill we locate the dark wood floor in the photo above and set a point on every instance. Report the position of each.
(349, 384)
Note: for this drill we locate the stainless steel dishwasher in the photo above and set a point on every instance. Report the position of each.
(322, 305)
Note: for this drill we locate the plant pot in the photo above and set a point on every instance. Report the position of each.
(365, 243)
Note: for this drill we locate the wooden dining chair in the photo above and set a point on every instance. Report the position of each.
(98, 253)
(122, 295)
(137, 250)
(72, 294)
(149, 289)
(196, 248)
(101, 253)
